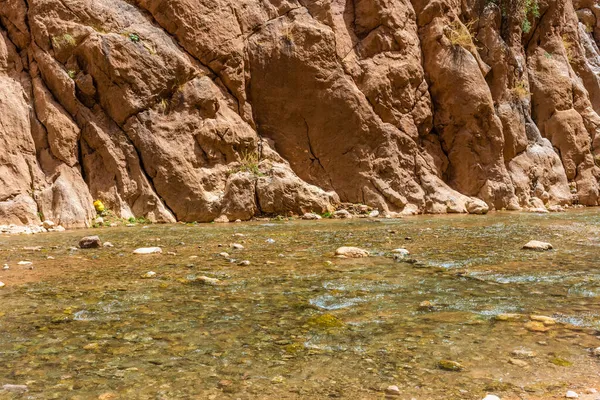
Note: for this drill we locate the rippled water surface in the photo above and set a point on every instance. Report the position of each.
(298, 322)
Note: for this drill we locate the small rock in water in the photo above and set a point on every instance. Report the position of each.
(149, 274)
(223, 254)
(426, 306)
(537, 246)
(351, 252)
(33, 248)
(522, 353)
(148, 250)
(207, 281)
(392, 390)
(237, 246)
(535, 326)
(449, 365)
(48, 224)
(374, 214)
(15, 388)
(90, 242)
(238, 234)
(596, 351)
(222, 219)
(543, 319)
(509, 317)
(311, 216)
(401, 252)
(270, 241)
(572, 395)
(491, 397)
(343, 214)
(108, 244)
(517, 362)
(2, 284)
(477, 207)
(245, 263)
(24, 263)
(171, 253)
(6, 267)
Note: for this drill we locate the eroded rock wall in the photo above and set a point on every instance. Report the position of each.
(195, 109)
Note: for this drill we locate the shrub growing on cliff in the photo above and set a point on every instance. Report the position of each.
(59, 42)
(248, 163)
(520, 90)
(460, 35)
(531, 9)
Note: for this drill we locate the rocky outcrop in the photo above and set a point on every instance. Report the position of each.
(195, 110)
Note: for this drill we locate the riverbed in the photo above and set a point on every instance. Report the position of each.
(288, 320)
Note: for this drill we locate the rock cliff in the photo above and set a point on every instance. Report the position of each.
(196, 109)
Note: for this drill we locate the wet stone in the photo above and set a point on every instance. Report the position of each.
(15, 388)
(90, 242)
(351, 252)
(536, 245)
(535, 326)
(392, 390)
(449, 365)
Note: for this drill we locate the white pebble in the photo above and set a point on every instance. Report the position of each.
(5, 267)
(393, 390)
(14, 388)
(24, 263)
(149, 274)
(572, 395)
(491, 397)
(2, 284)
(148, 250)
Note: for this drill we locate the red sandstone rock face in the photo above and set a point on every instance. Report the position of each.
(196, 109)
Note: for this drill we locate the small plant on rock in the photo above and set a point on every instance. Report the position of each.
(134, 37)
(249, 162)
(520, 91)
(460, 35)
(66, 40)
(531, 9)
(568, 48)
(288, 36)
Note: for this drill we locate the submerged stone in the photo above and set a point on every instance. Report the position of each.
(325, 321)
(15, 388)
(351, 252)
(535, 326)
(548, 321)
(449, 365)
(536, 245)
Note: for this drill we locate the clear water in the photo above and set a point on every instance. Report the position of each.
(86, 324)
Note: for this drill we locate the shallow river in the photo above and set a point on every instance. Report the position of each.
(298, 323)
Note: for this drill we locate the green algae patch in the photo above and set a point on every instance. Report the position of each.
(561, 362)
(325, 321)
(449, 365)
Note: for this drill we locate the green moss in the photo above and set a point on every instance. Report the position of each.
(561, 362)
(325, 321)
(449, 365)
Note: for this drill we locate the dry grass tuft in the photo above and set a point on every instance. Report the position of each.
(460, 35)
